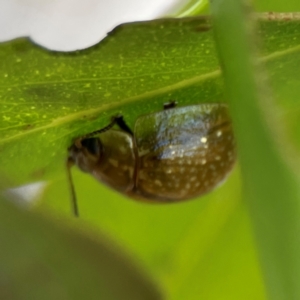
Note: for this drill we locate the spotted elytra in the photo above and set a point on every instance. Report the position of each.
(176, 154)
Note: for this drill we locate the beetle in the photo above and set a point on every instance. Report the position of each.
(172, 155)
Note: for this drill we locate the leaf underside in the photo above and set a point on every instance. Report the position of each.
(49, 98)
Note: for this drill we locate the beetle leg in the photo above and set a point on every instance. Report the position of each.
(122, 124)
(170, 104)
(69, 164)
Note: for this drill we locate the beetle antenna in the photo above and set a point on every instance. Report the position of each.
(69, 164)
(114, 120)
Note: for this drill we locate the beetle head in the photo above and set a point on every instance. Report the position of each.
(86, 153)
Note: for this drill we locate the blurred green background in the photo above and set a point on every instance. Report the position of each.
(200, 249)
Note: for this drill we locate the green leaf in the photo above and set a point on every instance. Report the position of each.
(198, 249)
(271, 187)
(277, 5)
(48, 98)
(40, 259)
(193, 8)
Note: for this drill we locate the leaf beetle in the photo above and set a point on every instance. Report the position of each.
(172, 155)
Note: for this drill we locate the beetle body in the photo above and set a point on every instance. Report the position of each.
(176, 154)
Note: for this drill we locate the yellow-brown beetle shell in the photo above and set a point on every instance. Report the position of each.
(176, 154)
